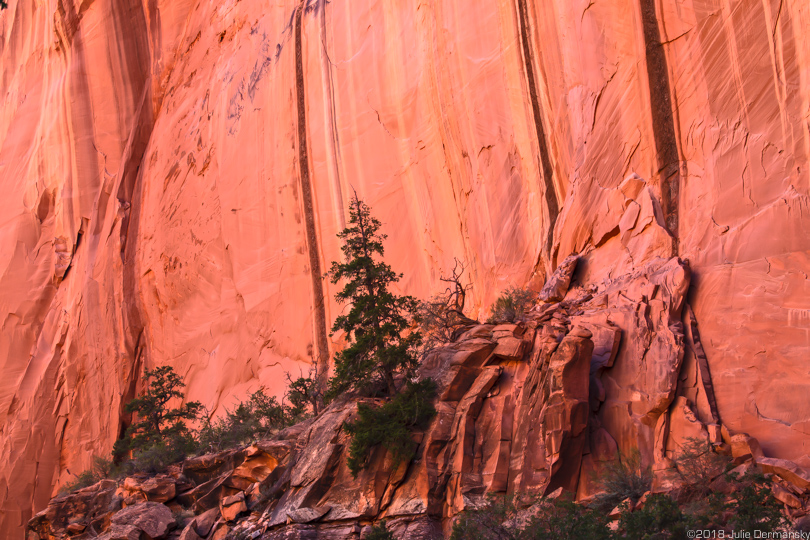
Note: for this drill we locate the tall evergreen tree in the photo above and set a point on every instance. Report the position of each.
(379, 348)
(157, 423)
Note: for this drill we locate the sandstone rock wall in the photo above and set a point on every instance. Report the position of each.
(174, 173)
(534, 408)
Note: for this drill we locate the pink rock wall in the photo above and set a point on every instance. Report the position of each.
(174, 173)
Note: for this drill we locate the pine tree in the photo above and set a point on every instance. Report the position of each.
(158, 424)
(376, 323)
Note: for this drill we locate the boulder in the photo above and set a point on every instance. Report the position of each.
(745, 447)
(508, 330)
(205, 521)
(205, 468)
(154, 519)
(76, 528)
(783, 495)
(483, 331)
(557, 285)
(232, 506)
(458, 380)
(510, 348)
(159, 489)
(308, 515)
(787, 470)
(220, 533)
(122, 532)
(189, 533)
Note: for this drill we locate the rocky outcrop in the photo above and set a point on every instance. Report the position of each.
(606, 370)
(173, 175)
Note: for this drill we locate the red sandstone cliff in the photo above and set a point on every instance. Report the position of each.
(174, 173)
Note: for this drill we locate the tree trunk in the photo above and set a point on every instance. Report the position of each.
(389, 381)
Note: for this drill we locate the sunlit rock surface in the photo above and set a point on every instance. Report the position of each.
(173, 175)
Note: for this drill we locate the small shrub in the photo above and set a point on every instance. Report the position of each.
(489, 522)
(697, 465)
(305, 397)
(512, 305)
(563, 519)
(621, 479)
(82, 480)
(547, 519)
(156, 457)
(391, 424)
(100, 469)
(258, 417)
(754, 506)
(660, 519)
(380, 532)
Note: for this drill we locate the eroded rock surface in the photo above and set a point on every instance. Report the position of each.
(607, 370)
(173, 174)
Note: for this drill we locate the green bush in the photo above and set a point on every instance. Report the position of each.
(99, 470)
(621, 479)
(159, 432)
(156, 457)
(563, 519)
(660, 519)
(753, 505)
(258, 417)
(380, 532)
(391, 424)
(305, 397)
(697, 465)
(512, 305)
(547, 519)
(488, 522)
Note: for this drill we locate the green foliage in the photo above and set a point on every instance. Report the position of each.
(82, 480)
(547, 519)
(99, 470)
(488, 522)
(565, 520)
(621, 479)
(391, 424)
(380, 532)
(512, 305)
(660, 519)
(160, 435)
(698, 465)
(258, 417)
(379, 347)
(305, 397)
(753, 505)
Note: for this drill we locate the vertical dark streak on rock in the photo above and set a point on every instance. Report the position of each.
(128, 198)
(545, 160)
(696, 345)
(319, 323)
(666, 142)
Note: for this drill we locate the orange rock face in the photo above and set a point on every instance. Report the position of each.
(174, 173)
